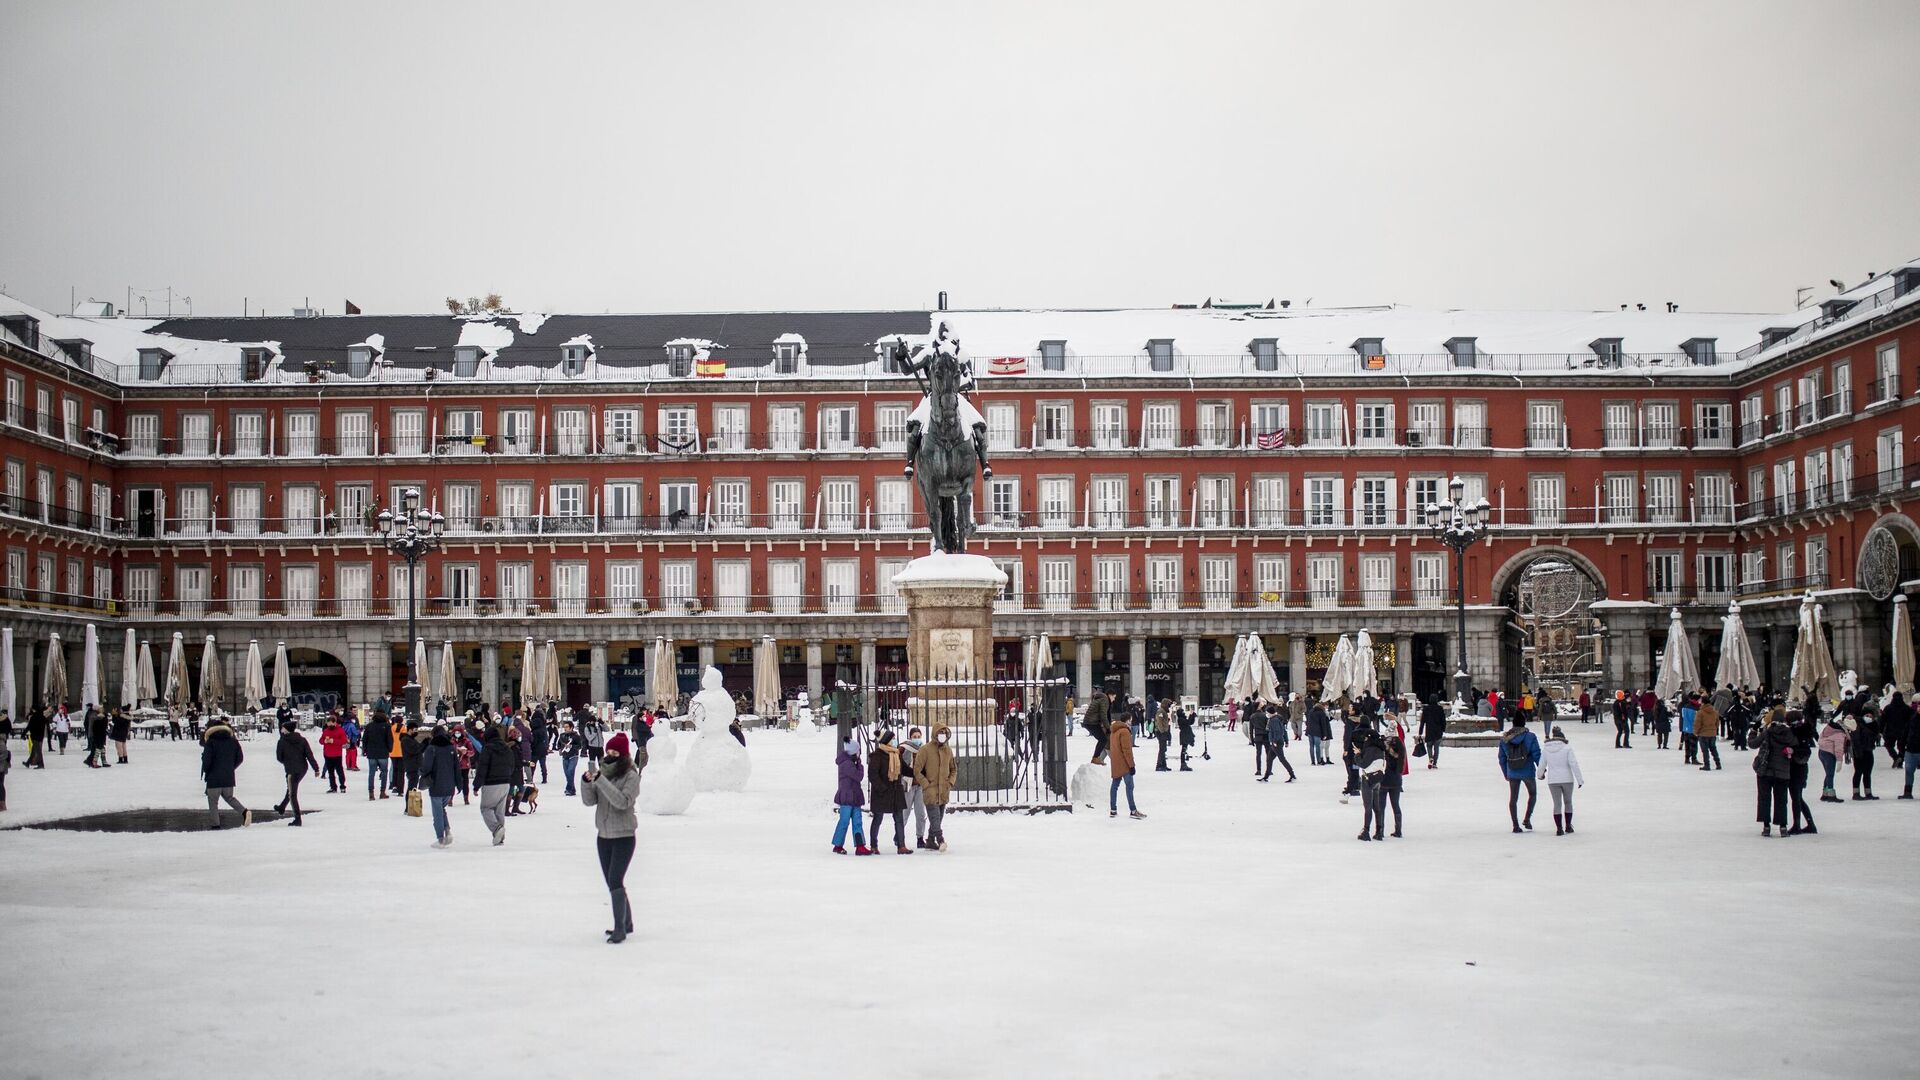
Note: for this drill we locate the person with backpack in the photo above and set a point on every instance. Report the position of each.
(1560, 768)
(295, 755)
(439, 774)
(1276, 729)
(1519, 760)
(1772, 770)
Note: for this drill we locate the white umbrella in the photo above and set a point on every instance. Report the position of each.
(1812, 663)
(178, 694)
(7, 685)
(90, 670)
(449, 677)
(54, 685)
(529, 673)
(420, 671)
(1902, 647)
(1266, 680)
(213, 687)
(1737, 668)
(1241, 682)
(766, 678)
(1339, 676)
(130, 671)
(665, 681)
(253, 692)
(282, 674)
(149, 690)
(1679, 668)
(550, 673)
(1366, 669)
(1825, 677)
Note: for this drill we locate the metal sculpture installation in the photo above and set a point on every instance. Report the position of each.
(946, 439)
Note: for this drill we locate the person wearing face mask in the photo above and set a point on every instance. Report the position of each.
(936, 770)
(889, 793)
(916, 795)
(848, 800)
(611, 789)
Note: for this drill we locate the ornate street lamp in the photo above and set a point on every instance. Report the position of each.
(418, 535)
(1458, 524)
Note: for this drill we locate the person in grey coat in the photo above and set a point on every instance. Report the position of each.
(611, 790)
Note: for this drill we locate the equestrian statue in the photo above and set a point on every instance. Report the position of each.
(946, 439)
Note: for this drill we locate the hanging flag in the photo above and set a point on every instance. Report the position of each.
(1271, 440)
(1007, 365)
(712, 367)
(353, 308)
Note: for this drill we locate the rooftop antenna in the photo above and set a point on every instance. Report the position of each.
(1800, 296)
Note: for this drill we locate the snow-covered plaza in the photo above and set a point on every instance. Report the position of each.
(1240, 930)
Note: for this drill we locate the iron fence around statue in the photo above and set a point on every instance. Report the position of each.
(1009, 736)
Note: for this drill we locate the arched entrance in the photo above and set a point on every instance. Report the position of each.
(1550, 639)
(1889, 557)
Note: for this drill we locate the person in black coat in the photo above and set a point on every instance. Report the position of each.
(1366, 750)
(295, 755)
(495, 770)
(38, 725)
(1350, 727)
(1805, 731)
(376, 748)
(1391, 783)
(1865, 740)
(119, 729)
(1185, 718)
(220, 758)
(1773, 770)
(1433, 731)
(439, 776)
(889, 795)
(1276, 737)
(542, 742)
(569, 745)
(96, 722)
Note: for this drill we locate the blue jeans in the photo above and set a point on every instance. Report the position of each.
(1912, 762)
(376, 774)
(1314, 753)
(567, 763)
(1113, 794)
(1827, 762)
(440, 825)
(849, 816)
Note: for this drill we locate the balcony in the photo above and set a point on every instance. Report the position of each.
(1546, 437)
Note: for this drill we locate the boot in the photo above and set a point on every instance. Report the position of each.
(838, 850)
(1558, 826)
(899, 849)
(1569, 822)
(620, 915)
(295, 821)
(860, 847)
(1908, 794)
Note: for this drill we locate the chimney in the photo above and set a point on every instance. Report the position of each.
(943, 299)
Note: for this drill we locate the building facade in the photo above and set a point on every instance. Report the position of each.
(1163, 481)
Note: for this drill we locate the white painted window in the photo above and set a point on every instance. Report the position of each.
(353, 584)
(839, 427)
(303, 589)
(1375, 423)
(1424, 424)
(196, 434)
(409, 436)
(1055, 423)
(517, 434)
(516, 506)
(677, 586)
(1003, 419)
(143, 433)
(840, 498)
(570, 431)
(1888, 460)
(1323, 580)
(1376, 578)
(1713, 573)
(1324, 423)
(1003, 502)
(1270, 418)
(621, 510)
(679, 504)
(354, 433)
(1216, 424)
(621, 431)
(567, 504)
(1160, 425)
(1886, 366)
(1469, 424)
(884, 571)
(841, 581)
(1271, 576)
(1110, 582)
(570, 588)
(516, 587)
(893, 503)
(1546, 498)
(1663, 573)
(784, 577)
(890, 425)
(1662, 425)
(1164, 502)
(243, 590)
(1784, 487)
(784, 427)
(785, 498)
(1217, 579)
(302, 433)
(1619, 427)
(1056, 501)
(1323, 501)
(1663, 497)
(1269, 501)
(397, 587)
(302, 504)
(730, 503)
(1109, 426)
(729, 428)
(730, 586)
(1373, 495)
(463, 507)
(1056, 583)
(461, 581)
(1216, 501)
(142, 582)
(1163, 582)
(1109, 502)
(1544, 428)
(623, 588)
(1429, 577)
(1713, 495)
(243, 510)
(1622, 501)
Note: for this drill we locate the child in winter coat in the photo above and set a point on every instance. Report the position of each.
(848, 800)
(1560, 768)
(333, 749)
(1834, 744)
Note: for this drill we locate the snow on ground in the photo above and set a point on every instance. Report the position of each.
(1240, 930)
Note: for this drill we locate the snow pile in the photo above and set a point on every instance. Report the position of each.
(665, 789)
(1090, 785)
(702, 348)
(662, 747)
(530, 322)
(941, 568)
(717, 761)
(794, 339)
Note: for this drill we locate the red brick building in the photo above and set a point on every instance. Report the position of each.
(1163, 480)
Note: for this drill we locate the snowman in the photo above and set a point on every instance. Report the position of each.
(716, 761)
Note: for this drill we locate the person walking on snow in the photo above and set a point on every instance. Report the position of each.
(495, 770)
(1185, 719)
(1276, 746)
(847, 798)
(439, 774)
(1865, 739)
(1706, 735)
(295, 755)
(916, 797)
(1120, 768)
(889, 795)
(1799, 766)
(1560, 768)
(1519, 758)
(1369, 756)
(1772, 770)
(333, 749)
(569, 744)
(377, 740)
(6, 765)
(1162, 736)
(1833, 749)
(352, 728)
(120, 729)
(612, 789)
(937, 770)
(63, 730)
(220, 758)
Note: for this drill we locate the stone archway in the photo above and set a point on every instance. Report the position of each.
(1506, 580)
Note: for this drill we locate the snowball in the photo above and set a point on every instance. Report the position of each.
(662, 747)
(1090, 785)
(665, 790)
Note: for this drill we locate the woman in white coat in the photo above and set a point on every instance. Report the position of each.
(1560, 768)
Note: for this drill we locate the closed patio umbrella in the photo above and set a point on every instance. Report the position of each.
(550, 673)
(1679, 668)
(1266, 680)
(1339, 676)
(1241, 682)
(8, 686)
(1737, 668)
(529, 673)
(1366, 669)
(421, 673)
(149, 691)
(449, 687)
(282, 674)
(766, 679)
(130, 671)
(1902, 646)
(253, 692)
(663, 680)
(1812, 663)
(178, 693)
(213, 686)
(90, 670)
(54, 683)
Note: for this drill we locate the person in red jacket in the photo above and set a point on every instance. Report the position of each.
(333, 748)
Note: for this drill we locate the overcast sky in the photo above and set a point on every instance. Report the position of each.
(711, 155)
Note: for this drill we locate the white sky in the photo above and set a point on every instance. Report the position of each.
(711, 155)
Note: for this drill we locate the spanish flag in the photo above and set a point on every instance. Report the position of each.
(712, 367)
(1007, 365)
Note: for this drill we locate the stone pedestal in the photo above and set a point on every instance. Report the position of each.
(950, 638)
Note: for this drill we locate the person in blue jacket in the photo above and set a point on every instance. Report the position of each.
(1519, 762)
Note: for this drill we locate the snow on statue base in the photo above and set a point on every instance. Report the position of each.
(665, 790)
(717, 761)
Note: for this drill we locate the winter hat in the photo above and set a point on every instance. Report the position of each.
(618, 745)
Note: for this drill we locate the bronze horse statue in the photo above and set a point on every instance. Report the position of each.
(942, 452)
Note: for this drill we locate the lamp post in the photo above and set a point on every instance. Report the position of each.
(1458, 524)
(418, 534)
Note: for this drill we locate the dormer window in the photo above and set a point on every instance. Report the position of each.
(786, 358)
(466, 360)
(359, 361)
(1266, 354)
(1372, 352)
(1700, 351)
(1774, 335)
(1905, 280)
(1834, 308)
(1053, 356)
(573, 359)
(679, 361)
(25, 327)
(79, 351)
(253, 364)
(1465, 351)
(1606, 351)
(1160, 354)
(153, 362)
